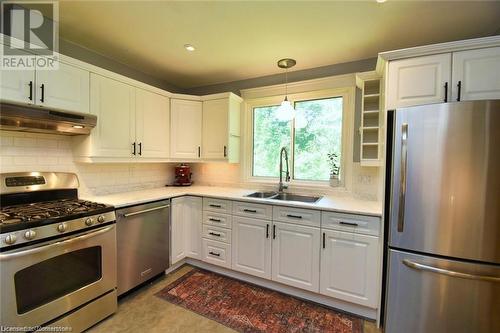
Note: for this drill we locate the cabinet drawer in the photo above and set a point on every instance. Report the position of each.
(218, 234)
(369, 225)
(253, 210)
(217, 219)
(297, 215)
(217, 205)
(217, 253)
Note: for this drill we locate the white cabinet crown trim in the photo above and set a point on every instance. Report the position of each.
(461, 45)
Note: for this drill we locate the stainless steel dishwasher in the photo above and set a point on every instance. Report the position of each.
(143, 243)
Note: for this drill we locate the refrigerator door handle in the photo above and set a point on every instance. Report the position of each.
(402, 184)
(423, 267)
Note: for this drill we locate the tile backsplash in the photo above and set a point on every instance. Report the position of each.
(46, 152)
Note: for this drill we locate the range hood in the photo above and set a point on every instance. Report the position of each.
(40, 120)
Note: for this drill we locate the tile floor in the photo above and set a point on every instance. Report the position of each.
(141, 311)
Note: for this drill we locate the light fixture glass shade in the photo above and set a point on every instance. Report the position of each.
(285, 111)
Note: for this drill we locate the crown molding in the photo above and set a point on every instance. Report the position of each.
(460, 45)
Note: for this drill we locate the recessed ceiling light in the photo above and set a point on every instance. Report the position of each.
(381, 1)
(189, 47)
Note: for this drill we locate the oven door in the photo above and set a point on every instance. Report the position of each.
(44, 281)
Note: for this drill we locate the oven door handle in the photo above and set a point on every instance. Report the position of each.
(41, 248)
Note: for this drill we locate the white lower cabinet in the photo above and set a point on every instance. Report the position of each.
(251, 251)
(193, 219)
(186, 228)
(303, 248)
(178, 230)
(349, 267)
(295, 255)
(217, 253)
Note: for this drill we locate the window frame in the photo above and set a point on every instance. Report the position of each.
(347, 139)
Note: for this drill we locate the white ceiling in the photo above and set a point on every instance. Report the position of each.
(238, 40)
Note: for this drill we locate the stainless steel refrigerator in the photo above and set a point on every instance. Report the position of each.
(443, 271)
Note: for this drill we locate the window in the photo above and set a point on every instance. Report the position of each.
(321, 135)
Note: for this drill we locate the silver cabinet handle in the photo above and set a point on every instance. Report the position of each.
(145, 211)
(423, 267)
(402, 184)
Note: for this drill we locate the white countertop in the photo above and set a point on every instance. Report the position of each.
(343, 204)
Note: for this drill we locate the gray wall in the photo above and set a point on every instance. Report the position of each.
(305, 74)
(87, 55)
(81, 53)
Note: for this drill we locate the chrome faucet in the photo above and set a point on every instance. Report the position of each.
(283, 186)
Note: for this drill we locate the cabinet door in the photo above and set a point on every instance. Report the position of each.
(15, 86)
(185, 129)
(113, 103)
(152, 124)
(478, 72)
(252, 246)
(215, 129)
(66, 88)
(295, 255)
(349, 267)
(178, 229)
(193, 222)
(418, 81)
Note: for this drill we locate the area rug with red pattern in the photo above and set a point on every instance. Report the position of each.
(249, 308)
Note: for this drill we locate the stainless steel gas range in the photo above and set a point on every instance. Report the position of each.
(57, 253)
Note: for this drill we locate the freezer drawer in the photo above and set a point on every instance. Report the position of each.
(427, 294)
(143, 243)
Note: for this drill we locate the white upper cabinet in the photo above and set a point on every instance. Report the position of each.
(132, 123)
(349, 267)
(185, 129)
(215, 128)
(66, 88)
(113, 103)
(221, 129)
(152, 124)
(477, 73)
(251, 246)
(417, 81)
(295, 255)
(17, 86)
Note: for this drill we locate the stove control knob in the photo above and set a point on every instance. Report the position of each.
(62, 227)
(100, 219)
(89, 221)
(10, 239)
(30, 234)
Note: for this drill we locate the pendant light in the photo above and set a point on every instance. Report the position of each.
(286, 112)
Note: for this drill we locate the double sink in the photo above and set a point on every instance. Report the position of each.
(284, 197)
